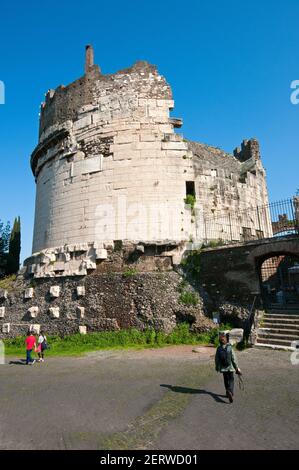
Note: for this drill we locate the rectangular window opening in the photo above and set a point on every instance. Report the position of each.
(190, 188)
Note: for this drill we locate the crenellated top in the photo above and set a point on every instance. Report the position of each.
(249, 149)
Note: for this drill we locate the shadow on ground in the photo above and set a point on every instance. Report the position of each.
(195, 391)
(20, 362)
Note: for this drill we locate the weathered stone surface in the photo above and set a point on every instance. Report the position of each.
(35, 328)
(80, 291)
(112, 301)
(80, 312)
(2, 312)
(109, 166)
(6, 328)
(230, 278)
(3, 294)
(29, 293)
(54, 312)
(101, 253)
(55, 291)
(234, 313)
(82, 330)
(112, 177)
(33, 312)
(236, 335)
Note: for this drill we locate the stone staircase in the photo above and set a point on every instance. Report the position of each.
(278, 329)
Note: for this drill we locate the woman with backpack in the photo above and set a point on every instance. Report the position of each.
(42, 346)
(226, 363)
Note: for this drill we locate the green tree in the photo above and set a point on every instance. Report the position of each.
(4, 244)
(14, 249)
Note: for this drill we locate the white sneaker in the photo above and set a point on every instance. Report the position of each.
(33, 362)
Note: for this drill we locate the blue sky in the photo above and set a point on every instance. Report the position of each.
(230, 65)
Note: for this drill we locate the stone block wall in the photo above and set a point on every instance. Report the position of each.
(110, 166)
(116, 169)
(231, 276)
(122, 292)
(228, 193)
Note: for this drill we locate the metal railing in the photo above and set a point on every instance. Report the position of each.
(271, 220)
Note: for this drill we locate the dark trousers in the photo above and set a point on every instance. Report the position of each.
(229, 381)
(28, 356)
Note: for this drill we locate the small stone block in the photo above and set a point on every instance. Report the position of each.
(35, 328)
(33, 312)
(54, 312)
(54, 291)
(6, 328)
(29, 293)
(80, 312)
(236, 335)
(89, 264)
(80, 291)
(58, 266)
(82, 330)
(3, 294)
(101, 253)
(2, 312)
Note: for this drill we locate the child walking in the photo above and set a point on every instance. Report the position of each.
(42, 346)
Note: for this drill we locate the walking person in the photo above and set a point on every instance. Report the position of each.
(226, 363)
(42, 346)
(30, 342)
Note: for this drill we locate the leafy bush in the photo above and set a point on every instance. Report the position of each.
(182, 285)
(130, 272)
(7, 282)
(191, 263)
(190, 200)
(188, 298)
(213, 243)
(32, 283)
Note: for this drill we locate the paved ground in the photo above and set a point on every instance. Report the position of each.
(154, 399)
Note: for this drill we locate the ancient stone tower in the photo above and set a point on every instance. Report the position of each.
(120, 196)
(109, 167)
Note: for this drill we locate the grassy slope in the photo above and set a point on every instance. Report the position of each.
(77, 344)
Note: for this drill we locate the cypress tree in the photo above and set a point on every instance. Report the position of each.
(13, 259)
(4, 242)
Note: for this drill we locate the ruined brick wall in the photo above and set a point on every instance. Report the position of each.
(231, 275)
(226, 185)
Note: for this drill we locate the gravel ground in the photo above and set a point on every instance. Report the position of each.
(167, 398)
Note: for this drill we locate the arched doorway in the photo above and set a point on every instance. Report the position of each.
(279, 278)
